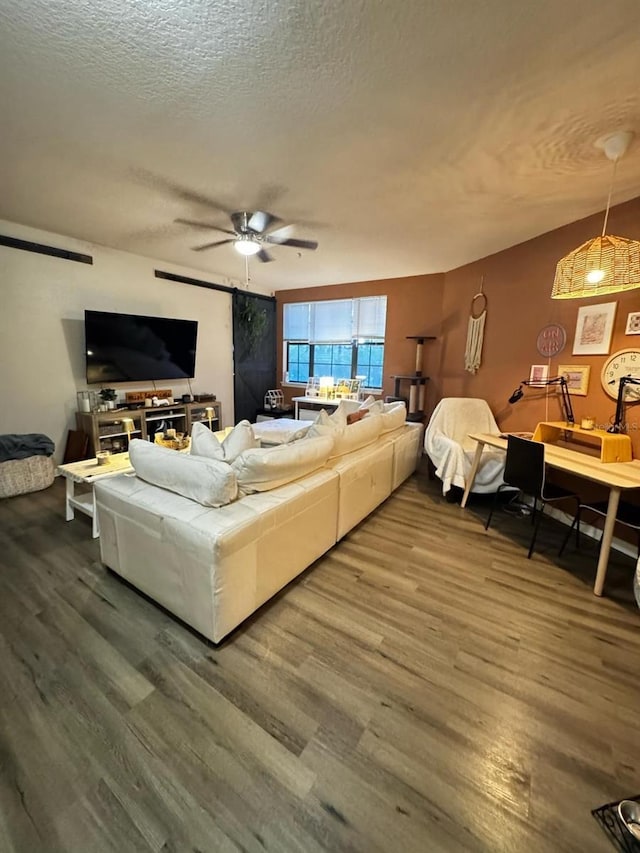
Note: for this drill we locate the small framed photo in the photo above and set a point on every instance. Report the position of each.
(633, 323)
(577, 376)
(593, 329)
(538, 375)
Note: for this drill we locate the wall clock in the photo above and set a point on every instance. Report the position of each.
(621, 363)
(551, 340)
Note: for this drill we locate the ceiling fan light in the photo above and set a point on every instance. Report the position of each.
(246, 246)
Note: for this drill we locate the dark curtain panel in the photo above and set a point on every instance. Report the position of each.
(254, 352)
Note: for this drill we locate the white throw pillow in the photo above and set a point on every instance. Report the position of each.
(368, 402)
(376, 408)
(393, 416)
(266, 468)
(205, 444)
(324, 425)
(345, 407)
(210, 482)
(356, 435)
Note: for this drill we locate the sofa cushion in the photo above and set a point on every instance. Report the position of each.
(210, 482)
(356, 435)
(265, 468)
(205, 444)
(393, 416)
(346, 407)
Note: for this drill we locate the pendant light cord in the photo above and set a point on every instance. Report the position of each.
(606, 215)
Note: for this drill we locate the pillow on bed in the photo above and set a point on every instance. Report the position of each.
(210, 482)
(205, 444)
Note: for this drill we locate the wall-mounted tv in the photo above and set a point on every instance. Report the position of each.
(131, 348)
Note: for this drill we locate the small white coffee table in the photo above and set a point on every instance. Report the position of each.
(87, 472)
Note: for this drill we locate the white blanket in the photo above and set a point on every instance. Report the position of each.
(449, 447)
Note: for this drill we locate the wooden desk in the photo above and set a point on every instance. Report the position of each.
(616, 476)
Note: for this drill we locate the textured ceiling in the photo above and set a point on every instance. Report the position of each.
(406, 136)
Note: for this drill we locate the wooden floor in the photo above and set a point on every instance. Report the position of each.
(423, 687)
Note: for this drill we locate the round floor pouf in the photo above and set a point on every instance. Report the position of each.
(20, 476)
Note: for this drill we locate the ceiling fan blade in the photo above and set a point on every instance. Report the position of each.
(280, 234)
(211, 245)
(300, 244)
(261, 220)
(206, 225)
(264, 256)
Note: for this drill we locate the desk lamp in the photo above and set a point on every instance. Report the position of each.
(567, 408)
(127, 423)
(624, 381)
(209, 413)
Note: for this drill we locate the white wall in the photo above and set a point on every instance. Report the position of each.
(42, 303)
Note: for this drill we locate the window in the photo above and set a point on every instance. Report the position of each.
(343, 338)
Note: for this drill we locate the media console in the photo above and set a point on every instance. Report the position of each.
(107, 431)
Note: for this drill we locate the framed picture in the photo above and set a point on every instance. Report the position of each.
(633, 323)
(538, 375)
(594, 328)
(577, 376)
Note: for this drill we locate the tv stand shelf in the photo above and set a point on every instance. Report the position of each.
(106, 431)
(614, 447)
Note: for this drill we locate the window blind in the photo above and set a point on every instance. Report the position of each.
(336, 320)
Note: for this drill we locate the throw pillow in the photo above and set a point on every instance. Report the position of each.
(210, 482)
(265, 468)
(393, 416)
(204, 443)
(357, 435)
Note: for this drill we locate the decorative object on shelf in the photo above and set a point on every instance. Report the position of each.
(209, 412)
(587, 422)
(633, 323)
(313, 387)
(143, 396)
(625, 362)
(103, 457)
(577, 376)
(109, 397)
(475, 331)
(538, 375)
(87, 401)
(593, 329)
(518, 394)
(127, 423)
(551, 340)
(605, 264)
(274, 399)
(178, 441)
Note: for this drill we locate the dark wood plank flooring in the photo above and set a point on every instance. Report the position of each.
(423, 687)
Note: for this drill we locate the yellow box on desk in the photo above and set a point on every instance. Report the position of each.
(614, 447)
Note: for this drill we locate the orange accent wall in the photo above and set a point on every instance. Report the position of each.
(414, 307)
(518, 286)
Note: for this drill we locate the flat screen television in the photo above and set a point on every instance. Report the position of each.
(132, 348)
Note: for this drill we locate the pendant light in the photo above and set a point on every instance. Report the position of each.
(605, 264)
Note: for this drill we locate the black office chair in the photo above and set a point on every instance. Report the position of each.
(525, 470)
(628, 514)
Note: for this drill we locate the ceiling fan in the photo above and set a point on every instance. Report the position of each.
(251, 233)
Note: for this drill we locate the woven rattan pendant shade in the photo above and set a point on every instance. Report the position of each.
(617, 257)
(606, 264)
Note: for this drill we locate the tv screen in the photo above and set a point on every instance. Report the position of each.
(131, 348)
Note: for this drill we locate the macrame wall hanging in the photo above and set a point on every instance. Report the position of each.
(475, 330)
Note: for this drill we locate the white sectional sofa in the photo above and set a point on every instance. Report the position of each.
(213, 566)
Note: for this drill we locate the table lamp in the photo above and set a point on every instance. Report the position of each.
(567, 408)
(127, 423)
(209, 413)
(624, 381)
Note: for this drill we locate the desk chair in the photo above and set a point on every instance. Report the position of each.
(525, 470)
(628, 514)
